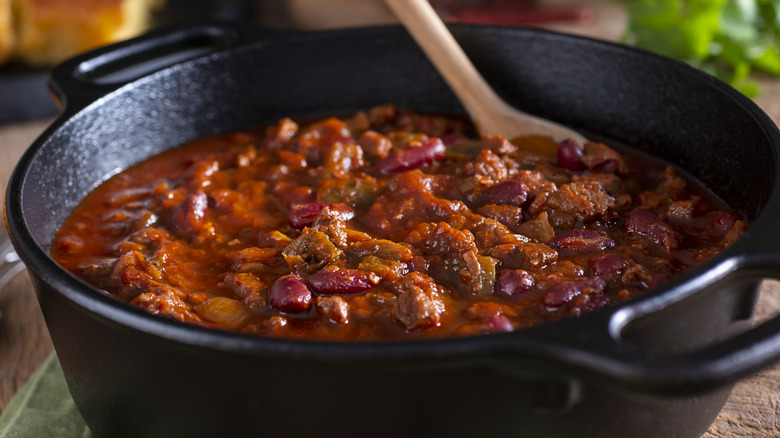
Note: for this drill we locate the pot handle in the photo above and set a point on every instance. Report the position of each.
(85, 78)
(601, 350)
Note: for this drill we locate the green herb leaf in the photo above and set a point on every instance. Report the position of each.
(728, 38)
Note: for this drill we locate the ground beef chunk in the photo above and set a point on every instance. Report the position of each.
(310, 252)
(523, 255)
(489, 165)
(585, 201)
(419, 304)
(335, 308)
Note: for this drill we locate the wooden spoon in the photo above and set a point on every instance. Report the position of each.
(490, 113)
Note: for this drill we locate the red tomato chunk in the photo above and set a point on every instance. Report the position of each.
(387, 225)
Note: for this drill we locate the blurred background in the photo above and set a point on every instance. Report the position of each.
(732, 39)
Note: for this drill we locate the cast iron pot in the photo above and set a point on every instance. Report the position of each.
(659, 366)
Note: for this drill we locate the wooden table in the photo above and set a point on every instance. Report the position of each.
(753, 410)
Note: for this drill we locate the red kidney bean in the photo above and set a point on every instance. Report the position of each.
(498, 324)
(723, 220)
(513, 282)
(580, 241)
(304, 215)
(657, 281)
(570, 155)
(290, 294)
(562, 293)
(400, 160)
(591, 302)
(606, 166)
(665, 235)
(608, 264)
(640, 221)
(648, 223)
(189, 217)
(508, 192)
(341, 282)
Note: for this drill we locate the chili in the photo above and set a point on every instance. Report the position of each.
(388, 225)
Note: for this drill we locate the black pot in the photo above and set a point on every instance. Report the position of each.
(661, 365)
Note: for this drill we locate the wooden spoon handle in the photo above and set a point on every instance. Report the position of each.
(425, 26)
(490, 113)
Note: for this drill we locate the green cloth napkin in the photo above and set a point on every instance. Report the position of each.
(43, 408)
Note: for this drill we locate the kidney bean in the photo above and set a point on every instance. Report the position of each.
(580, 241)
(606, 166)
(598, 157)
(723, 220)
(608, 264)
(562, 293)
(507, 192)
(648, 223)
(341, 282)
(640, 221)
(412, 157)
(189, 217)
(303, 215)
(290, 294)
(589, 303)
(498, 324)
(665, 235)
(513, 282)
(570, 155)
(657, 281)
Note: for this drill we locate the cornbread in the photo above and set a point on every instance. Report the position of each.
(45, 32)
(6, 30)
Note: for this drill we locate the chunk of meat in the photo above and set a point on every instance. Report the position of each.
(581, 241)
(508, 215)
(279, 136)
(164, 300)
(648, 223)
(374, 144)
(343, 157)
(442, 239)
(332, 220)
(190, 216)
(419, 305)
(585, 201)
(310, 252)
(610, 182)
(538, 229)
(523, 255)
(680, 211)
(335, 308)
(498, 144)
(600, 158)
(489, 165)
(251, 258)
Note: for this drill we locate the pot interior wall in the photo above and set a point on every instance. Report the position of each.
(656, 105)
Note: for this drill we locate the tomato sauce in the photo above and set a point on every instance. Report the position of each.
(387, 225)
